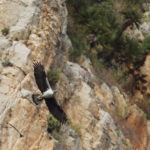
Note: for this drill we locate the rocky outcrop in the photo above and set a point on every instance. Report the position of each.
(145, 27)
(87, 109)
(145, 69)
(31, 36)
(99, 115)
(136, 128)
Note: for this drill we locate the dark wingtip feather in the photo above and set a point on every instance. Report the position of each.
(40, 76)
(37, 65)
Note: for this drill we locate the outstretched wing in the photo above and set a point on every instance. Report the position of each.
(55, 109)
(43, 85)
(40, 77)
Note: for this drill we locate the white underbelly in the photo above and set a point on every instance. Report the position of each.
(48, 93)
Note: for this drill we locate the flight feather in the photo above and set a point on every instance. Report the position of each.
(40, 77)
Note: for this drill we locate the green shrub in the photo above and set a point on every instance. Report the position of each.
(53, 76)
(146, 45)
(79, 45)
(107, 25)
(133, 14)
(136, 51)
(57, 135)
(107, 22)
(53, 124)
(5, 31)
(78, 5)
(135, 1)
(100, 20)
(133, 49)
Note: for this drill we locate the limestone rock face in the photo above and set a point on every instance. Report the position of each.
(88, 112)
(145, 28)
(136, 128)
(145, 69)
(23, 125)
(99, 116)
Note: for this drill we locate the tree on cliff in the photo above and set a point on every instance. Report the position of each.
(132, 16)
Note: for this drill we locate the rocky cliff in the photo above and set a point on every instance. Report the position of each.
(100, 115)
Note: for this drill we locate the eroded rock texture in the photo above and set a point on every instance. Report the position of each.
(100, 116)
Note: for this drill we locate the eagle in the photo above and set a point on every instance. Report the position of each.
(47, 93)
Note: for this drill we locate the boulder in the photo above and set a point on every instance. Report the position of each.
(145, 28)
(19, 55)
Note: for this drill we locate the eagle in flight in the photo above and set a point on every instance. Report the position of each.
(47, 93)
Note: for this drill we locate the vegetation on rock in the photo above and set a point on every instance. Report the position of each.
(53, 76)
(7, 63)
(5, 31)
(102, 24)
(99, 30)
(53, 123)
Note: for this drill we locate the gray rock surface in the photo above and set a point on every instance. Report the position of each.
(38, 33)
